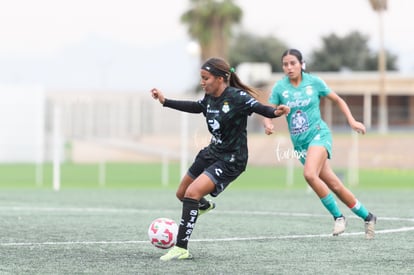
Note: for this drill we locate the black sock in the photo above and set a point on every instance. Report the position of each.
(188, 220)
(203, 204)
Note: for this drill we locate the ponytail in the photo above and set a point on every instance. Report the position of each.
(219, 67)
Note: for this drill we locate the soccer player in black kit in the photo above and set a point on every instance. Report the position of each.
(226, 105)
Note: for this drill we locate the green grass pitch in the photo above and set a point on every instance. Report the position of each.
(260, 225)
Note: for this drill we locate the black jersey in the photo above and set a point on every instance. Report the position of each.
(226, 118)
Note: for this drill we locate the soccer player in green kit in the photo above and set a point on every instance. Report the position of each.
(312, 139)
(226, 105)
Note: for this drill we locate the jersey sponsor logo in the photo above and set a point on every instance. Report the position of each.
(212, 111)
(299, 123)
(214, 124)
(216, 140)
(285, 94)
(298, 103)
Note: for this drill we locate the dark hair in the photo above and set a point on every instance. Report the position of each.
(220, 68)
(296, 53)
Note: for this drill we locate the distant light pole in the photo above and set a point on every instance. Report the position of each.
(380, 6)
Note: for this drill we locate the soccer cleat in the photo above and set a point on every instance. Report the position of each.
(339, 226)
(370, 226)
(211, 207)
(176, 253)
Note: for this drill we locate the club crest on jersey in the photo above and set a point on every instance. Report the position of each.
(226, 107)
(309, 90)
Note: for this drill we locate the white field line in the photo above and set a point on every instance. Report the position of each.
(130, 210)
(386, 231)
(145, 211)
(236, 239)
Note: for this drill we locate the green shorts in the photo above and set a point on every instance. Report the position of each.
(322, 138)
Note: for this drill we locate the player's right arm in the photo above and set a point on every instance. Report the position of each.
(157, 94)
(181, 105)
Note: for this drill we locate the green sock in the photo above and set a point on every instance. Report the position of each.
(360, 210)
(330, 204)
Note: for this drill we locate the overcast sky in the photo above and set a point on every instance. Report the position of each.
(131, 44)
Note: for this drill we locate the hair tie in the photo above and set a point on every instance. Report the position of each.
(232, 70)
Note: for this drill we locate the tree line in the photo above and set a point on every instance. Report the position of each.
(212, 22)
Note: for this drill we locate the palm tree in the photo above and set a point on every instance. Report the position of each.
(209, 23)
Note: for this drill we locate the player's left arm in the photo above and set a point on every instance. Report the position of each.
(343, 106)
(270, 111)
(268, 123)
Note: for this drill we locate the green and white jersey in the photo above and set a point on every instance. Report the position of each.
(304, 120)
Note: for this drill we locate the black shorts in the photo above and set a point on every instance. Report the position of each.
(220, 172)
